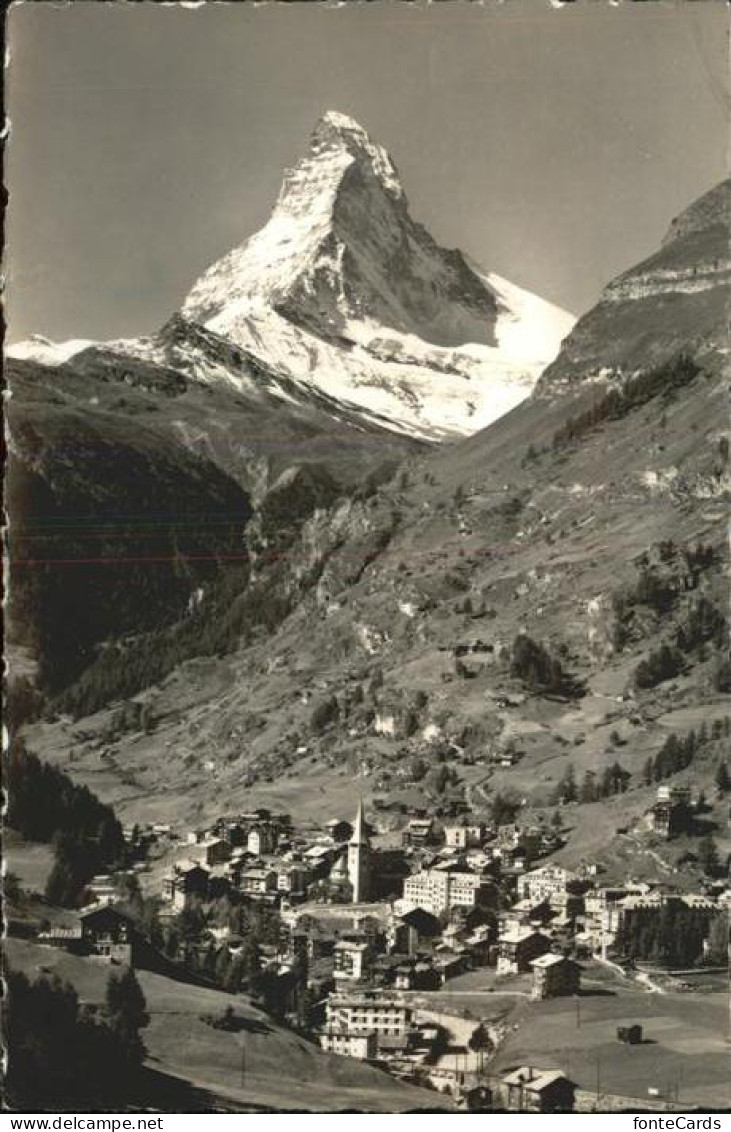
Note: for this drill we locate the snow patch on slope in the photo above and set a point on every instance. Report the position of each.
(47, 353)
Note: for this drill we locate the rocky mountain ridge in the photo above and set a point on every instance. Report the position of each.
(677, 299)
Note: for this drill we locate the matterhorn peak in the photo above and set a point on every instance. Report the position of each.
(335, 131)
(343, 290)
(333, 127)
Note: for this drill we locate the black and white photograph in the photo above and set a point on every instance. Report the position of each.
(367, 731)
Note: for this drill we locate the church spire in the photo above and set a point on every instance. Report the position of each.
(359, 857)
(360, 834)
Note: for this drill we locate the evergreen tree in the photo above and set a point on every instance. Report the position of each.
(588, 790)
(125, 999)
(718, 941)
(249, 960)
(63, 1055)
(723, 780)
(127, 1015)
(68, 875)
(708, 856)
(689, 748)
(606, 788)
(569, 789)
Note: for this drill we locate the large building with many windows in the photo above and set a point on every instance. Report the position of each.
(368, 1011)
(550, 883)
(438, 890)
(517, 948)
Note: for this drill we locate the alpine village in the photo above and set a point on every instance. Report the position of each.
(401, 781)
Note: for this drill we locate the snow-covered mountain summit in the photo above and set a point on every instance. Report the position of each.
(342, 294)
(344, 290)
(341, 248)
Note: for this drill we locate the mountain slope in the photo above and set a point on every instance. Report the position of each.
(113, 524)
(403, 644)
(180, 1043)
(677, 299)
(132, 485)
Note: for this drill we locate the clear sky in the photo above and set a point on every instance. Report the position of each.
(552, 144)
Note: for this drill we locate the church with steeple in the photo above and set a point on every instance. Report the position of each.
(359, 859)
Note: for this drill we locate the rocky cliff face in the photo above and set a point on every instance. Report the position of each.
(675, 300)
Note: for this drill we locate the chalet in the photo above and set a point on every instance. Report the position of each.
(258, 881)
(550, 883)
(537, 1090)
(251, 817)
(479, 944)
(215, 851)
(261, 840)
(352, 960)
(187, 881)
(416, 974)
(449, 964)
(419, 832)
(516, 949)
(413, 931)
(527, 911)
(234, 832)
(464, 835)
(362, 1045)
(292, 878)
(477, 1098)
(102, 889)
(69, 938)
(554, 976)
(671, 813)
(454, 934)
(109, 934)
(319, 858)
(603, 910)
